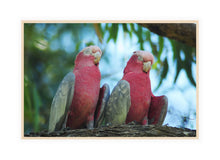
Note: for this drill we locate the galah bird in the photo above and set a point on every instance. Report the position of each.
(132, 98)
(79, 101)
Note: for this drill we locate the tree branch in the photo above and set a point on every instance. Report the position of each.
(130, 130)
(182, 32)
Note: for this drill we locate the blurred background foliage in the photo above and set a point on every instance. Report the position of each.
(50, 50)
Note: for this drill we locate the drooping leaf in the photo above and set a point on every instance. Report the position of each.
(163, 73)
(188, 63)
(174, 48)
(114, 31)
(153, 45)
(148, 38)
(132, 29)
(161, 46)
(139, 34)
(109, 30)
(179, 66)
(125, 28)
(98, 31)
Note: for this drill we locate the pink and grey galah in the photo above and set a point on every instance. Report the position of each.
(132, 98)
(79, 101)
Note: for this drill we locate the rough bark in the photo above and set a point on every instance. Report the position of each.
(182, 32)
(130, 130)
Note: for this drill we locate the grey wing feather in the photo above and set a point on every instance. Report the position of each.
(118, 104)
(61, 103)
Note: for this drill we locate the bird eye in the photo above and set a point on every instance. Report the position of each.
(140, 58)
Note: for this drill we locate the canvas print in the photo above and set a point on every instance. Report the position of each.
(110, 79)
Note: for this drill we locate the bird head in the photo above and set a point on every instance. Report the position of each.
(93, 51)
(141, 61)
(88, 56)
(146, 58)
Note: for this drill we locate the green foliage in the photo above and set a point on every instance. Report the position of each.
(163, 73)
(183, 63)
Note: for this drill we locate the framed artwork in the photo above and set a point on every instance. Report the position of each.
(110, 79)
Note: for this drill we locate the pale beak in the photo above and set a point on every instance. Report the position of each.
(97, 56)
(146, 66)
